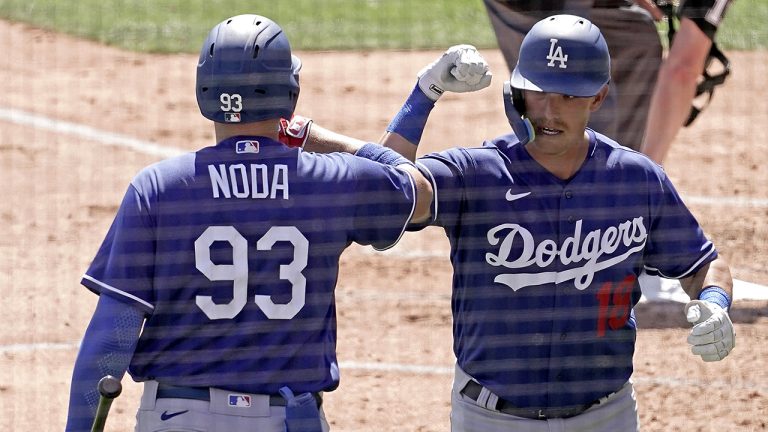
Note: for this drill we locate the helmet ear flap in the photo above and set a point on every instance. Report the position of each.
(514, 108)
(518, 100)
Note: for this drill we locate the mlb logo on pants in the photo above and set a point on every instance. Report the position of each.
(239, 400)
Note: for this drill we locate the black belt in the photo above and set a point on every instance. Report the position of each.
(472, 391)
(204, 394)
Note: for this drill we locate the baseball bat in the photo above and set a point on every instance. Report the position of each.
(109, 388)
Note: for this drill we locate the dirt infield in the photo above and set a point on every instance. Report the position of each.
(64, 99)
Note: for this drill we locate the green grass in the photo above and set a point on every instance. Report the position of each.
(181, 25)
(745, 26)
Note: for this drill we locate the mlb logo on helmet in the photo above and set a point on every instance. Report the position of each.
(240, 400)
(247, 146)
(232, 117)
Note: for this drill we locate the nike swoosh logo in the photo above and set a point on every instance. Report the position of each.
(511, 197)
(166, 416)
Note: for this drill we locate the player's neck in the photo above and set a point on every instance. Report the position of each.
(266, 128)
(562, 162)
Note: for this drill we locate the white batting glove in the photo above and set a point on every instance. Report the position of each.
(460, 69)
(712, 336)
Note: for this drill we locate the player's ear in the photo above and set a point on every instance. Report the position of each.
(599, 98)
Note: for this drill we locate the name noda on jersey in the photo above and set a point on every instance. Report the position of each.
(591, 252)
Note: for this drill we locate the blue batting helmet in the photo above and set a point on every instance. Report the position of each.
(246, 72)
(563, 54)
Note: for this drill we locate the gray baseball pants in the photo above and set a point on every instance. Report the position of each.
(215, 415)
(616, 412)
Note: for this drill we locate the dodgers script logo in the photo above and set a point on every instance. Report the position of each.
(556, 54)
(594, 251)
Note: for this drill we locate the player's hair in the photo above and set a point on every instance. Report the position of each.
(246, 72)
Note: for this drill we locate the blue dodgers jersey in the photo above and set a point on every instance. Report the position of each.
(545, 270)
(233, 252)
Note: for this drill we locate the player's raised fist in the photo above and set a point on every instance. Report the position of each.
(459, 69)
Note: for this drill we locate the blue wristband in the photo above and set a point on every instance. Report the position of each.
(409, 122)
(716, 295)
(381, 154)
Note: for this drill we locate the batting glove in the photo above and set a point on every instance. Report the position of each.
(294, 133)
(712, 336)
(460, 69)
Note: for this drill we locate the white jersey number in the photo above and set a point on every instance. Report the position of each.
(231, 102)
(237, 272)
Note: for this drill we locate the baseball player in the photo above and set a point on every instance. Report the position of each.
(678, 82)
(549, 228)
(636, 56)
(216, 279)
(636, 53)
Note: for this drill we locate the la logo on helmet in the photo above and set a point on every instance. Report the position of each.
(556, 54)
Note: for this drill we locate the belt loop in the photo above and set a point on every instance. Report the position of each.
(487, 399)
(149, 396)
(493, 402)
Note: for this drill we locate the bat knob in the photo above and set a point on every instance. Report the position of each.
(110, 387)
